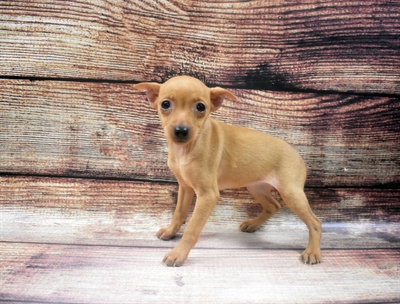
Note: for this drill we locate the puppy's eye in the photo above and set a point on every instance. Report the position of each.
(200, 107)
(166, 104)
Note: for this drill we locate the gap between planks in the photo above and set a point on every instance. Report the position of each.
(293, 249)
(293, 90)
(385, 186)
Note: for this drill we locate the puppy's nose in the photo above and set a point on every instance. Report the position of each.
(181, 132)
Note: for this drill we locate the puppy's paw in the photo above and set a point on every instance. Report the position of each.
(249, 225)
(311, 257)
(176, 257)
(166, 233)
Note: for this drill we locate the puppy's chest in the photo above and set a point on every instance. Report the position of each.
(178, 165)
(178, 159)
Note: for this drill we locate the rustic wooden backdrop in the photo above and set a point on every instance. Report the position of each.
(83, 158)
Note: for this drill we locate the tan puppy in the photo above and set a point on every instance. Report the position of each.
(207, 156)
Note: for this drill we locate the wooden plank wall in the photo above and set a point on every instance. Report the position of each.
(321, 75)
(76, 138)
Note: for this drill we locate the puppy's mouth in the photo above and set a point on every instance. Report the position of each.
(180, 140)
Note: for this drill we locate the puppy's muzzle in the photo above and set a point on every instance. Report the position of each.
(181, 133)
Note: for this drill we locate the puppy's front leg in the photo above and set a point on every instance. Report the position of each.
(185, 198)
(205, 203)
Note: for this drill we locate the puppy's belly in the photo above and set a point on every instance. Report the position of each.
(232, 184)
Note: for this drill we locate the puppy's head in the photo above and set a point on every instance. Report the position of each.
(183, 104)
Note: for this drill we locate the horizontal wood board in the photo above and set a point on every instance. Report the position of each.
(97, 274)
(123, 213)
(346, 46)
(108, 130)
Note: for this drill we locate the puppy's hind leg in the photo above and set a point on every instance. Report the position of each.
(262, 194)
(295, 198)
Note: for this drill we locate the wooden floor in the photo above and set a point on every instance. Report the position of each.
(104, 251)
(103, 274)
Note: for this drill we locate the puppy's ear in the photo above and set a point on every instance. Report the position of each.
(152, 90)
(217, 96)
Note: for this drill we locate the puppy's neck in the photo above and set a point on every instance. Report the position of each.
(180, 151)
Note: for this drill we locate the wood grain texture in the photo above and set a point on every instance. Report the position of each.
(108, 130)
(122, 213)
(98, 274)
(84, 184)
(347, 46)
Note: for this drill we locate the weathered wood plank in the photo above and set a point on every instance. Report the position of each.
(329, 45)
(108, 130)
(122, 213)
(93, 274)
